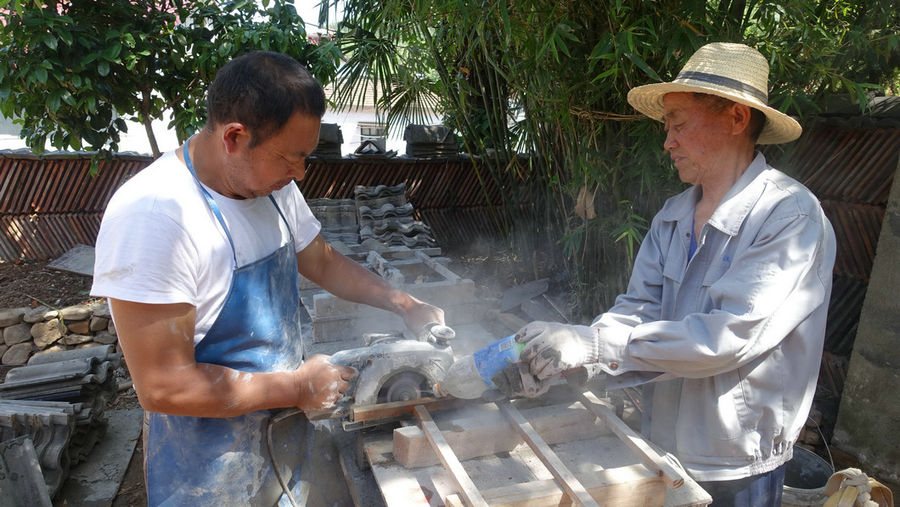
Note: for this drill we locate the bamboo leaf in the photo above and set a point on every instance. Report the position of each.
(641, 64)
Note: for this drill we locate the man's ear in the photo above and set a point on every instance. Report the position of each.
(740, 118)
(234, 137)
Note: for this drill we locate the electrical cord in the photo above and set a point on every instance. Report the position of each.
(284, 414)
(824, 442)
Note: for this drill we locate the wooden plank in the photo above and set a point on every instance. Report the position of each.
(672, 476)
(383, 412)
(405, 489)
(537, 310)
(467, 489)
(520, 293)
(628, 486)
(509, 320)
(521, 466)
(570, 484)
(486, 431)
(438, 268)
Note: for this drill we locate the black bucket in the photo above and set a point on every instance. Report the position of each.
(804, 479)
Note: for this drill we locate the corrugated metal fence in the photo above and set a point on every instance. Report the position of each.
(51, 203)
(850, 166)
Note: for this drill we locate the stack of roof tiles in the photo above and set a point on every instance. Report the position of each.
(385, 216)
(330, 141)
(57, 403)
(338, 218)
(430, 141)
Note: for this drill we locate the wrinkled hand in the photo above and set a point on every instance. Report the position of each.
(420, 314)
(321, 384)
(552, 348)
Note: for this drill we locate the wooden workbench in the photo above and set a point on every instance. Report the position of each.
(490, 457)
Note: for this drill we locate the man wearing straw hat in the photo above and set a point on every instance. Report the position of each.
(725, 310)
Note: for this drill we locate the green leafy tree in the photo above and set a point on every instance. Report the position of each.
(549, 79)
(72, 72)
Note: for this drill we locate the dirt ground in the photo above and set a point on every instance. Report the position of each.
(32, 283)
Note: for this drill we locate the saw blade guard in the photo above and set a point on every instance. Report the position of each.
(394, 369)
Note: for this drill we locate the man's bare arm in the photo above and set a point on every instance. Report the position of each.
(346, 279)
(157, 341)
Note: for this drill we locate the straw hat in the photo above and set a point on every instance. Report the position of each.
(734, 71)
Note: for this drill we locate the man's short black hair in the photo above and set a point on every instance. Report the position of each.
(263, 90)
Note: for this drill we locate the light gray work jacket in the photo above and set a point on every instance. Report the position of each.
(736, 331)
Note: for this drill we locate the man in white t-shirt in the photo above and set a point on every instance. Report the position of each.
(199, 255)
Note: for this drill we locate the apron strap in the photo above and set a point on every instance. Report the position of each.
(215, 207)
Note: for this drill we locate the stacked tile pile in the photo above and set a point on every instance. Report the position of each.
(330, 141)
(338, 218)
(430, 141)
(56, 401)
(385, 216)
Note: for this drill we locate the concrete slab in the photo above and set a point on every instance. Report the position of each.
(79, 259)
(95, 482)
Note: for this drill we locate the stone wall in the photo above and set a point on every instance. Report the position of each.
(869, 415)
(30, 331)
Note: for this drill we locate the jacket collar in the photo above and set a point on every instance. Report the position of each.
(735, 206)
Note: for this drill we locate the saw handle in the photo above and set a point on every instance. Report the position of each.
(436, 332)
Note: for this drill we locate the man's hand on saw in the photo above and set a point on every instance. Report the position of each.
(421, 314)
(321, 384)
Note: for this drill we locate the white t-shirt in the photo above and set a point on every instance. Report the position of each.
(160, 243)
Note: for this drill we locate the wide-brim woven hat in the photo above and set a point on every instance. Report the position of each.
(734, 71)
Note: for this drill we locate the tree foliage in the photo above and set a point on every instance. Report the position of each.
(549, 79)
(73, 71)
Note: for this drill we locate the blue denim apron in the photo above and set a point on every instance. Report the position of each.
(219, 461)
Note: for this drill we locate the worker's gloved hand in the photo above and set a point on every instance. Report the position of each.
(516, 380)
(552, 348)
(321, 384)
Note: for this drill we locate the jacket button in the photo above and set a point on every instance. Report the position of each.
(614, 366)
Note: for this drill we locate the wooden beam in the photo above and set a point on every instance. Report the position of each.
(487, 432)
(628, 486)
(384, 412)
(657, 462)
(451, 463)
(569, 483)
(437, 267)
(404, 489)
(509, 320)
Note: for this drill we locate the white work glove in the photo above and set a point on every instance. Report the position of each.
(552, 348)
